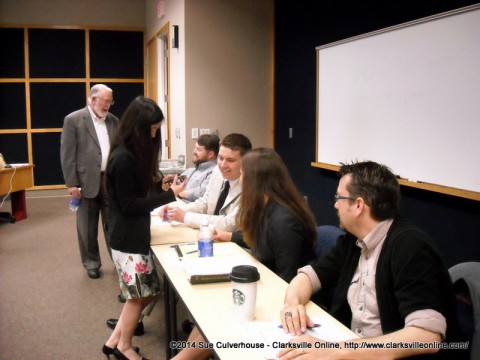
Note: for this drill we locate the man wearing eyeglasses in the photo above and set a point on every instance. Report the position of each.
(85, 144)
(390, 285)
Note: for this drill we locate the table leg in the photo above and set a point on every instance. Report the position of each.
(19, 205)
(170, 318)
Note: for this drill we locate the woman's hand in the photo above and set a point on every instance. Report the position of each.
(171, 182)
(167, 182)
(220, 235)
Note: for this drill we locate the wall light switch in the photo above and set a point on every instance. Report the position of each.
(194, 133)
(204, 131)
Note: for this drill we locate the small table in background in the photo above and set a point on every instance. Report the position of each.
(15, 181)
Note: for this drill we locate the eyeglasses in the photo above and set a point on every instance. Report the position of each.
(339, 197)
(109, 103)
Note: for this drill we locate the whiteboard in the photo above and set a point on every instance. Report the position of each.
(407, 97)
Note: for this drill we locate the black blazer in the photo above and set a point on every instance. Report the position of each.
(130, 204)
(282, 243)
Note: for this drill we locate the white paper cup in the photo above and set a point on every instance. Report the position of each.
(244, 291)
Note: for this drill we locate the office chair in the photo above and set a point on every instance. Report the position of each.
(327, 235)
(469, 273)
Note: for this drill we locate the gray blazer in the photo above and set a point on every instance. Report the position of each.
(80, 153)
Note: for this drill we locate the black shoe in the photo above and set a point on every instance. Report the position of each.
(121, 298)
(119, 355)
(109, 351)
(93, 273)
(187, 326)
(139, 330)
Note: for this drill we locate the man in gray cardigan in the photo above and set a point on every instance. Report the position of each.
(85, 144)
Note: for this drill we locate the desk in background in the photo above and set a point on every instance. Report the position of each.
(15, 180)
(211, 304)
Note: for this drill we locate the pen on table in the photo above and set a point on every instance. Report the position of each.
(413, 180)
(191, 252)
(308, 327)
(177, 249)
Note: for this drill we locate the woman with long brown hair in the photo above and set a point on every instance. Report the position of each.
(274, 217)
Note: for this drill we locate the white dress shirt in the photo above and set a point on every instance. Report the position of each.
(102, 135)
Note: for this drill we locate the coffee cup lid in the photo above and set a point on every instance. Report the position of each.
(244, 274)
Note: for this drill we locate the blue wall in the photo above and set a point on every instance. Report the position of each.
(301, 26)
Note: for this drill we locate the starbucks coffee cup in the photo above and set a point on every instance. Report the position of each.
(244, 291)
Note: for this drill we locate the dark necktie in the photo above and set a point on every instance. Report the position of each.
(222, 197)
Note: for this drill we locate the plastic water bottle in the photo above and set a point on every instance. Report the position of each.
(75, 203)
(205, 241)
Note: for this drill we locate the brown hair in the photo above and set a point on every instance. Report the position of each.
(237, 142)
(265, 176)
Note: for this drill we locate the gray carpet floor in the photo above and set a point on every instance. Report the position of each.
(49, 308)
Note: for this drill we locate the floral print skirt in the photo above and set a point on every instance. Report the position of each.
(137, 275)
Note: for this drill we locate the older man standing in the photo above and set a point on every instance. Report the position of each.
(85, 144)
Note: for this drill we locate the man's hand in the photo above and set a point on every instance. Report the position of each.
(294, 316)
(312, 352)
(294, 319)
(407, 335)
(75, 192)
(175, 213)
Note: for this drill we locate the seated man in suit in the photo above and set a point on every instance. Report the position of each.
(391, 286)
(197, 177)
(221, 200)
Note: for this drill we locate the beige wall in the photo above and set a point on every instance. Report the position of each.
(229, 67)
(118, 13)
(174, 15)
(222, 74)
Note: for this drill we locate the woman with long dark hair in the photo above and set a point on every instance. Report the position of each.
(135, 188)
(274, 217)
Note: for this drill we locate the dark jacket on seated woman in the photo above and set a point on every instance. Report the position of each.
(282, 243)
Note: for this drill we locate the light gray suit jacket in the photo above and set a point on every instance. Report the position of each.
(204, 207)
(80, 153)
